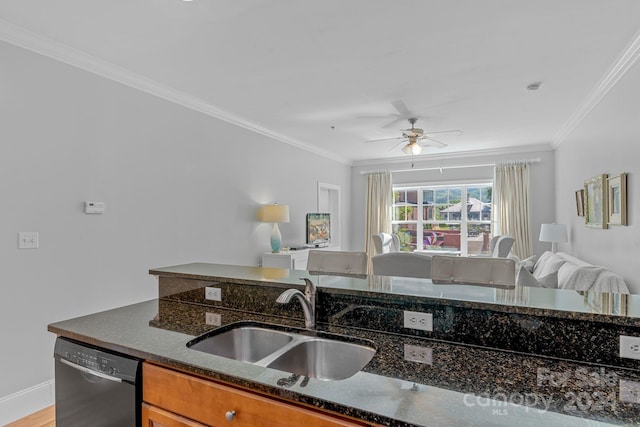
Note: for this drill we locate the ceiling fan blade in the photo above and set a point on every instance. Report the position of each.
(394, 122)
(457, 131)
(396, 146)
(385, 139)
(401, 107)
(434, 142)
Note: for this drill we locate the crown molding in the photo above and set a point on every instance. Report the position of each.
(21, 37)
(624, 62)
(455, 156)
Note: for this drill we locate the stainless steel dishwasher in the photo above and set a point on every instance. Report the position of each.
(95, 387)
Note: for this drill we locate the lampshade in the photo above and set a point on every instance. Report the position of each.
(553, 233)
(275, 213)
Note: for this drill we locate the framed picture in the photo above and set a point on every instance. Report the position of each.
(595, 201)
(580, 202)
(617, 199)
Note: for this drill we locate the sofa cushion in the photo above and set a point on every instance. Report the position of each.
(547, 264)
(525, 278)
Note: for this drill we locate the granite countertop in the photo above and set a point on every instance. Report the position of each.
(619, 309)
(462, 386)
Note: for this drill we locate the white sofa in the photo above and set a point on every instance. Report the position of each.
(563, 271)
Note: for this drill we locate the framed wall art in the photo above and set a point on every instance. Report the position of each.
(580, 202)
(595, 202)
(617, 199)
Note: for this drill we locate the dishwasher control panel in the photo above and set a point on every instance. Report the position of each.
(91, 359)
(95, 359)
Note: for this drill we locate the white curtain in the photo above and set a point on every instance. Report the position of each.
(378, 214)
(511, 201)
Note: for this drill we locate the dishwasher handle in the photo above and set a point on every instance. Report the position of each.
(91, 371)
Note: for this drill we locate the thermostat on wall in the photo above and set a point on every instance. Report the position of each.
(93, 207)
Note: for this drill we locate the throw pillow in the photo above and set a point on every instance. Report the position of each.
(529, 263)
(550, 280)
(547, 264)
(525, 278)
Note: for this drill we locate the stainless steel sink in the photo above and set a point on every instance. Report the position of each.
(247, 344)
(309, 353)
(324, 359)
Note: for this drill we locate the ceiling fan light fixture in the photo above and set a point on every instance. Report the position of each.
(412, 148)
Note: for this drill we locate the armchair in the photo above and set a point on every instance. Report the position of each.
(500, 246)
(385, 243)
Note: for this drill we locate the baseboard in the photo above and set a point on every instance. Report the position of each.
(27, 401)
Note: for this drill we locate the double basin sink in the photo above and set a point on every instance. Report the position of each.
(309, 353)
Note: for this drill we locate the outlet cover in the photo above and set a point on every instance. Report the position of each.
(417, 320)
(630, 347)
(28, 240)
(629, 391)
(212, 294)
(213, 319)
(415, 353)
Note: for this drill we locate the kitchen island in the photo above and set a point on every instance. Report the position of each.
(412, 380)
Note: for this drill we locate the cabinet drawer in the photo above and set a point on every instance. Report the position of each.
(156, 417)
(208, 402)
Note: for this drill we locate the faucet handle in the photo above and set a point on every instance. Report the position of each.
(310, 287)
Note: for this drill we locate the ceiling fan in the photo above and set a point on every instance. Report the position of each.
(413, 135)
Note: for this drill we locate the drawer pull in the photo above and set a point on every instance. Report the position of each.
(229, 415)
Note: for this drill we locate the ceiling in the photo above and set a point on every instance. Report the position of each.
(323, 75)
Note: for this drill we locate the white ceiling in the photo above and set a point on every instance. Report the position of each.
(323, 75)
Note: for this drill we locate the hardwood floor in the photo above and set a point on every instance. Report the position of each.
(44, 418)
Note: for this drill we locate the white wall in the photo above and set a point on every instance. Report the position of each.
(542, 184)
(179, 187)
(606, 141)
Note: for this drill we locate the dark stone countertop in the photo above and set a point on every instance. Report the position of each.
(615, 309)
(462, 386)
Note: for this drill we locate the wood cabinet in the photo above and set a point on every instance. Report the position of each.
(176, 399)
(156, 417)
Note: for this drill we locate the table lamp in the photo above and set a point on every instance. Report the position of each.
(275, 214)
(553, 233)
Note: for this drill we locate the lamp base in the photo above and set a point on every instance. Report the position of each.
(276, 239)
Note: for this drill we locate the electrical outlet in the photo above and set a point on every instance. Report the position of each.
(629, 347)
(28, 240)
(629, 391)
(213, 319)
(415, 353)
(416, 320)
(213, 294)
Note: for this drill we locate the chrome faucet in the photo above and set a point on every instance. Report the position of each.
(307, 300)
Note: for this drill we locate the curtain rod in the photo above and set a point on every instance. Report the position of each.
(441, 168)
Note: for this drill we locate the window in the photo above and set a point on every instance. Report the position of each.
(435, 217)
